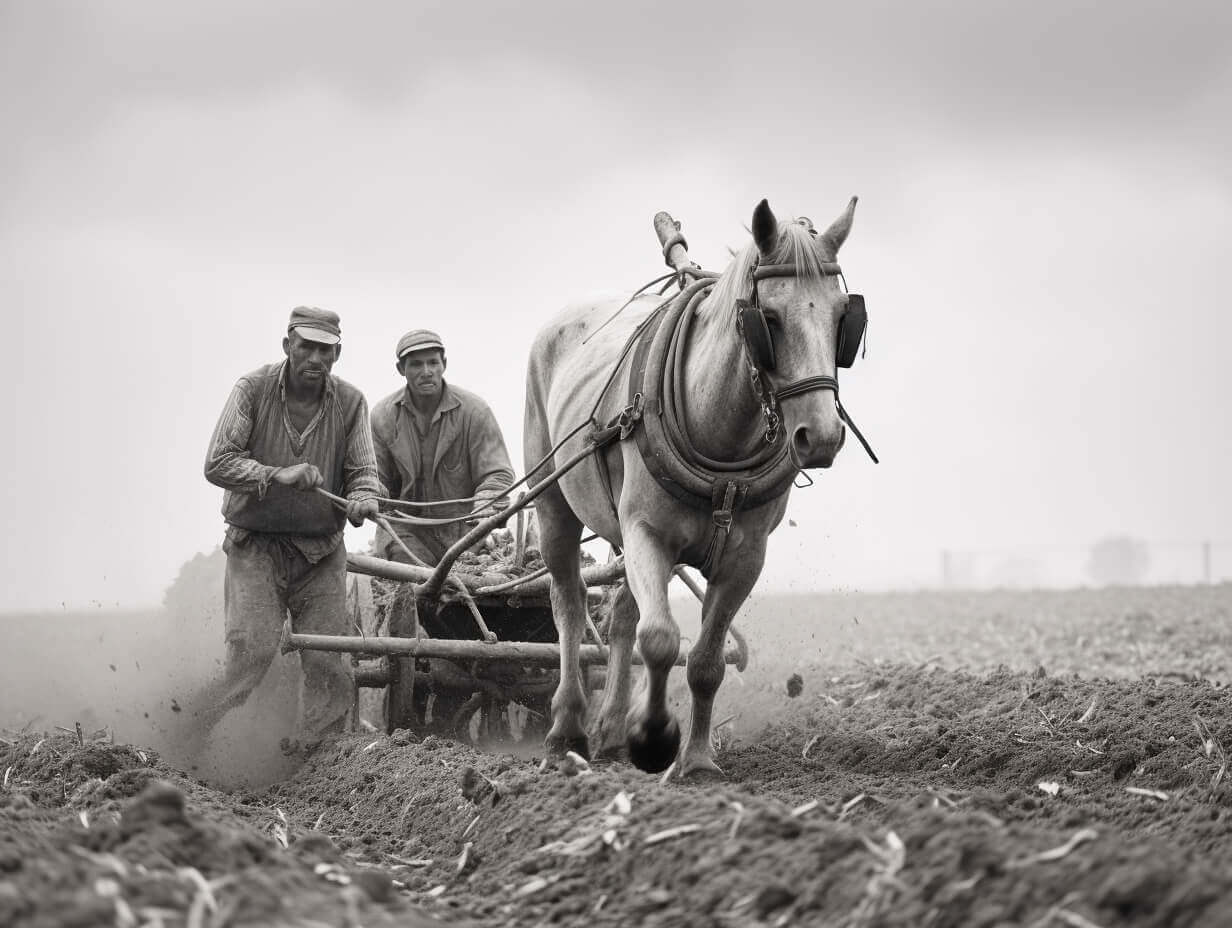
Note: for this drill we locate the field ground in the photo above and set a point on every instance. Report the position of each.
(951, 759)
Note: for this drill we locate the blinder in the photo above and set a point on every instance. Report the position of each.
(756, 332)
(751, 321)
(851, 330)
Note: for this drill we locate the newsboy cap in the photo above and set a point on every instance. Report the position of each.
(417, 340)
(316, 325)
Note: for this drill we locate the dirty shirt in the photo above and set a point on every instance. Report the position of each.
(458, 453)
(254, 437)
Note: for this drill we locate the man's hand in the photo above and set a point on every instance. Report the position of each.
(485, 509)
(360, 509)
(299, 477)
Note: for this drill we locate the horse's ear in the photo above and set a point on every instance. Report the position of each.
(837, 233)
(765, 228)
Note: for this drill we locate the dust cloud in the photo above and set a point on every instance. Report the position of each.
(138, 676)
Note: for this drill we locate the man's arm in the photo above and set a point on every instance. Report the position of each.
(489, 457)
(359, 475)
(228, 462)
(360, 479)
(386, 467)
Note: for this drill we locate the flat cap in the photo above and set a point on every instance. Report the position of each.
(316, 325)
(417, 340)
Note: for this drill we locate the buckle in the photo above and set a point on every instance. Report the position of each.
(630, 416)
(722, 518)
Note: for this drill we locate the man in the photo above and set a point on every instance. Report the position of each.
(435, 441)
(289, 428)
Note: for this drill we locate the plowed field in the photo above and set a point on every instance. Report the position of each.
(979, 759)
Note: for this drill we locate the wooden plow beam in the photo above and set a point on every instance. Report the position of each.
(523, 652)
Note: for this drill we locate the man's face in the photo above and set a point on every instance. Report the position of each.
(309, 362)
(424, 371)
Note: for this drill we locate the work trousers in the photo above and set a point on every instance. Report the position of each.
(267, 579)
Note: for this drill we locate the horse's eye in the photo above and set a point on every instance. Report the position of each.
(773, 319)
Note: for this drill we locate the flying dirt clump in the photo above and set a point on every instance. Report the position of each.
(795, 685)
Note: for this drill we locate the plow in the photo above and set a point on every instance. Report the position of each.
(478, 647)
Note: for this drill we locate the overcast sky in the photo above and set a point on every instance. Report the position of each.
(1043, 238)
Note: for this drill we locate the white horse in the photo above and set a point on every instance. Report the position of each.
(746, 399)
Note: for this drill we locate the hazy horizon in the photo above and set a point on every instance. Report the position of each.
(1045, 211)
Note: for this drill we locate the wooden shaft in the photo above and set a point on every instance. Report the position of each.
(688, 581)
(677, 256)
(525, 652)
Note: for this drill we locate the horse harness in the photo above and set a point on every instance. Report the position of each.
(653, 415)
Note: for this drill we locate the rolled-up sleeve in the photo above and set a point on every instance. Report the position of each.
(228, 462)
(359, 470)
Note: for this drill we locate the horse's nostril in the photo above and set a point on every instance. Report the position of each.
(800, 441)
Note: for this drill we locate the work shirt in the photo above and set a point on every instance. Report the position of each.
(254, 437)
(457, 453)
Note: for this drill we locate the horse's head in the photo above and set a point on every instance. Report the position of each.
(793, 285)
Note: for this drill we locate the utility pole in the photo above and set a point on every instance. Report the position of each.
(1206, 562)
(946, 578)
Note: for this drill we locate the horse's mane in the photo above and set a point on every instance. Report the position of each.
(796, 246)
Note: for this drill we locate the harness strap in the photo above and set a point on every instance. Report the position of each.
(829, 268)
(806, 384)
(842, 412)
(722, 518)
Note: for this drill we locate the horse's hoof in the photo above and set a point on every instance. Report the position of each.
(652, 748)
(609, 743)
(701, 769)
(558, 746)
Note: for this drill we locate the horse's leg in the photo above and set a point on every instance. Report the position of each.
(560, 537)
(706, 667)
(608, 731)
(654, 734)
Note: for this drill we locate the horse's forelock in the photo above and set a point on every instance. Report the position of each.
(796, 246)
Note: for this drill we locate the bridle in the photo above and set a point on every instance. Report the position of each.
(760, 351)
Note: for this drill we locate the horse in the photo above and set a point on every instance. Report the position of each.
(747, 398)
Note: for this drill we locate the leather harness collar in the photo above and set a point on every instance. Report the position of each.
(652, 417)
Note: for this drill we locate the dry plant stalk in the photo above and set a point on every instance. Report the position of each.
(1056, 853)
(882, 885)
(1212, 745)
(735, 826)
(669, 833)
(465, 857)
(851, 804)
(805, 808)
(1091, 710)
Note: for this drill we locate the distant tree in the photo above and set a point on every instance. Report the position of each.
(1118, 560)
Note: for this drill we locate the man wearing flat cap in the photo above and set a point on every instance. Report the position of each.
(288, 429)
(435, 441)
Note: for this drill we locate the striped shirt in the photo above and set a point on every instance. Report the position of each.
(254, 437)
